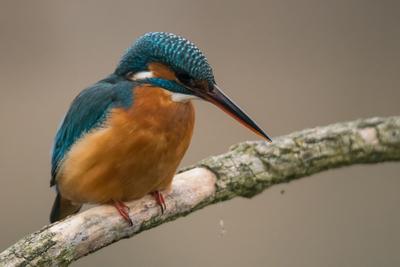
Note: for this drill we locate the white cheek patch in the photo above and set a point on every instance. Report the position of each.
(141, 75)
(177, 97)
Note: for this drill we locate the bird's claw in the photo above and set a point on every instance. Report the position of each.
(160, 200)
(123, 210)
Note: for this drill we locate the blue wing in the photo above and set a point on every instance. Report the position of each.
(88, 111)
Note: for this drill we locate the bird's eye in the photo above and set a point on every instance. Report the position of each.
(186, 79)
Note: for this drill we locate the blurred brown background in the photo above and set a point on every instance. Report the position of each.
(290, 64)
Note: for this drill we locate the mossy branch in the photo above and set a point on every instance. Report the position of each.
(246, 170)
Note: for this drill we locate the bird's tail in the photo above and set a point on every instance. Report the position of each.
(62, 208)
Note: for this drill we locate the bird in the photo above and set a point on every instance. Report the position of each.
(124, 136)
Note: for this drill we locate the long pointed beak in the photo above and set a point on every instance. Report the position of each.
(218, 98)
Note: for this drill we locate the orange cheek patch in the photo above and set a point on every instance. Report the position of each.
(161, 71)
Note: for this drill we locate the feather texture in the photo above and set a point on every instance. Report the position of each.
(137, 152)
(88, 111)
(172, 50)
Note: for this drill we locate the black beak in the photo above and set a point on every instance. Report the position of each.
(218, 98)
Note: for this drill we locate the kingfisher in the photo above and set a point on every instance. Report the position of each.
(124, 136)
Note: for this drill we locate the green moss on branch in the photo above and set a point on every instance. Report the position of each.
(246, 170)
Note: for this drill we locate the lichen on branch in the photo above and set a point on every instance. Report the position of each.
(246, 170)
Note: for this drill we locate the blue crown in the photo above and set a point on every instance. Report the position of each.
(175, 51)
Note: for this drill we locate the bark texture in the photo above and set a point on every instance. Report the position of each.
(246, 170)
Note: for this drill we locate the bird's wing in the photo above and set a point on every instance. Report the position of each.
(88, 111)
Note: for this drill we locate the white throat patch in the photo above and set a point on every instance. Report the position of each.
(177, 97)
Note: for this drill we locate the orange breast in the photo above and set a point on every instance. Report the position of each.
(136, 153)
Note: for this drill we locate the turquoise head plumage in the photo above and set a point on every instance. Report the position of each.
(172, 50)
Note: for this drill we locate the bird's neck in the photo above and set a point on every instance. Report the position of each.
(154, 109)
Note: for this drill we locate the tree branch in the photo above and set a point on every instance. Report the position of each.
(246, 170)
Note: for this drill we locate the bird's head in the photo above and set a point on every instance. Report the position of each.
(177, 65)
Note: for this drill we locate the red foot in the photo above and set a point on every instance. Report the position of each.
(160, 200)
(123, 211)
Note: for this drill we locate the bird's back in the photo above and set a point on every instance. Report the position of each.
(88, 111)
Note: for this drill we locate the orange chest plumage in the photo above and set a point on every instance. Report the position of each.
(135, 153)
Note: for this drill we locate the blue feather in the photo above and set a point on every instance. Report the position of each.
(88, 111)
(175, 51)
(90, 108)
